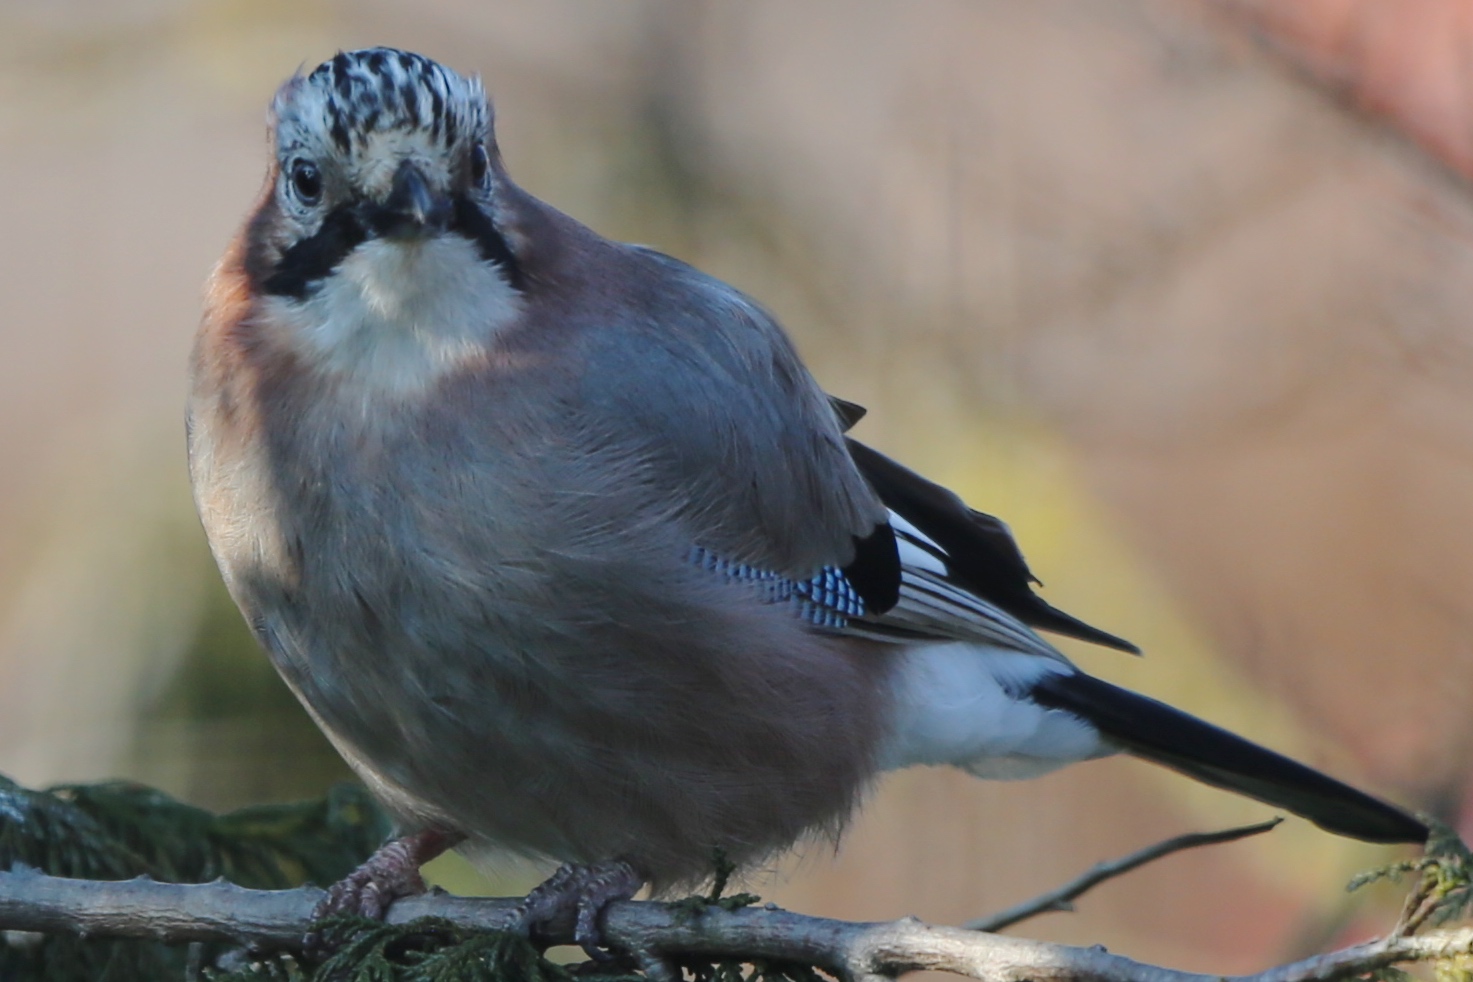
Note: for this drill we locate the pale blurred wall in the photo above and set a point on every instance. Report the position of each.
(1111, 269)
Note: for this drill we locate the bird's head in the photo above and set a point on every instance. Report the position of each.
(382, 235)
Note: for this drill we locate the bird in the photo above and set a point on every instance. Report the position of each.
(569, 555)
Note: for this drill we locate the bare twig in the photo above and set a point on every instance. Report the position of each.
(1062, 898)
(1420, 905)
(276, 920)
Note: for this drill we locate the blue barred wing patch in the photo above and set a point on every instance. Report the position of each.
(827, 600)
(932, 605)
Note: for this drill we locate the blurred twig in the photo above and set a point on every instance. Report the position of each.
(1444, 887)
(1062, 898)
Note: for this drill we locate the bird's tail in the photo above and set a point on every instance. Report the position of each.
(1159, 733)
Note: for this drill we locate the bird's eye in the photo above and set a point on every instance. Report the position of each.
(480, 163)
(306, 181)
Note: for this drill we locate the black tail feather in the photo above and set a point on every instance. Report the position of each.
(1167, 736)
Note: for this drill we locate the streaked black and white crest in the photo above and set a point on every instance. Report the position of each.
(357, 95)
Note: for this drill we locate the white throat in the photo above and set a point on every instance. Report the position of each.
(396, 316)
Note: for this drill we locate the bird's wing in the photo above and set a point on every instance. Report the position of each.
(776, 498)
(961, 576)
(737, 444)
(955, 560)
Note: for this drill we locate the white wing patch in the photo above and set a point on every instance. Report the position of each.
(933, 607)
(917, 550)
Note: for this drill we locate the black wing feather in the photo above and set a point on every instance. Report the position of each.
(981, 555)
(848, 413)
(874, 571)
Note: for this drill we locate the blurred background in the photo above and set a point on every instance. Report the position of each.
(1180, 288)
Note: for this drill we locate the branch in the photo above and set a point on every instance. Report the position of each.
(276, 920)
(1062, 898)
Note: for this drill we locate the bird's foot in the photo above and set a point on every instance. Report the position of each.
(584, 891)
(390, 873)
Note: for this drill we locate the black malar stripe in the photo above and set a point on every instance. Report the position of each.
(348, 226)
(316, 256)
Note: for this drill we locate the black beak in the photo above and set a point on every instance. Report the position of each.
(412, 209)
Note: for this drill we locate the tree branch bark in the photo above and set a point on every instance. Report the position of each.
(862, 952)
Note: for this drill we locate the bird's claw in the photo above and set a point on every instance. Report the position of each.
(584, 891)
(390, 873)
(387, 875)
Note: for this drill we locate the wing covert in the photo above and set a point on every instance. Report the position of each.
(961, 575)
